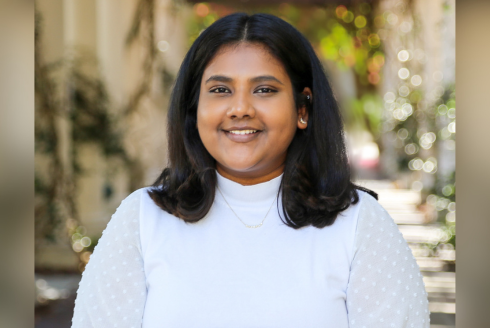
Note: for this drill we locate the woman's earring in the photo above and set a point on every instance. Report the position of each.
(302, 121)
(308, 97)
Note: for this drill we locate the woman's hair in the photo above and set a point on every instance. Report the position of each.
(316, 185)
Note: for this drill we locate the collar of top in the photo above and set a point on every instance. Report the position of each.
(259, 193)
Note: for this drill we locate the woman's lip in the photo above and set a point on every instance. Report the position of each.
(242, 137)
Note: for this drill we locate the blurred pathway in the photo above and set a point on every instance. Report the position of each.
(55, 299)
(417, 230)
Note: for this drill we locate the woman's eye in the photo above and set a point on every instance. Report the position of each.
(219, 90)
(265, 90)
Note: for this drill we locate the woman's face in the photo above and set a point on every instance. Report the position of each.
(246, 115)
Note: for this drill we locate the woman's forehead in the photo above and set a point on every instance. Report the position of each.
(244, 59)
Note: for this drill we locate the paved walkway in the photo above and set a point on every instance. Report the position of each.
(55, 300)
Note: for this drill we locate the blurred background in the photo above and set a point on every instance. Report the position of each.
(103, 75)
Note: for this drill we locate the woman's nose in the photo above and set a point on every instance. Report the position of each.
(241, 105)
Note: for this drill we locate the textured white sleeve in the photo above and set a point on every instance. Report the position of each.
(112, 292)
(385, 285)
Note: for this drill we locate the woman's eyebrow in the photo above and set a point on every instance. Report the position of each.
(219, 78)
(261, 78)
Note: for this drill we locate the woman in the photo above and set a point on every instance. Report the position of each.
(255, 222)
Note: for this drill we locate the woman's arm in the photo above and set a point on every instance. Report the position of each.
(385, 285)
(112, 292)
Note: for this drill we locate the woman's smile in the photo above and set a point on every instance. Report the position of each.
(237, 135)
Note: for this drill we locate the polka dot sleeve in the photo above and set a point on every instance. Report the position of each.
(112, 292)
(385, 285)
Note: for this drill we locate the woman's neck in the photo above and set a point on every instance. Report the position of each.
(248, 179)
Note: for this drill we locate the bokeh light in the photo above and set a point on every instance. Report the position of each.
(163, 45)
(429, 167)
(340, 11)
(452, 127)
(442, 109)
(417, 185)
(451, 217)
(451, 113)
(360, 21)
(402, 134)
(403, 55)
(406, 27)
(427, 140)
(201, 9)
(392, 18)
(447, 190)
(404, 91)
(85, 241)
(444, 133)
(374, 40)
(416, 164)
(403, 73)
(411, 149)
(437, 76)
(348, 17)
(407, 109)
(451, 207)
(389, 97)
(416, 80)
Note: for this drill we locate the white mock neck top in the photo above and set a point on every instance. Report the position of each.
(153, 270)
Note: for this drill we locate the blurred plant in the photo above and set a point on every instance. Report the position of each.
(366, 111)
(419, 121)
(142, 35)
(54, 190)
(67, 94)
(143, 28)
(443, 194)
(348, 36)
(142, 31)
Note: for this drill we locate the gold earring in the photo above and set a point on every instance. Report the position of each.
(302, 121)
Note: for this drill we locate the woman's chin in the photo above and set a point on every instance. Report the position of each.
(239, 167)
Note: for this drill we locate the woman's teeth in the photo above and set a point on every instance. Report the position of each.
(242, 131)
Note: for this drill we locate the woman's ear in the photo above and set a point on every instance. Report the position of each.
(303, 109)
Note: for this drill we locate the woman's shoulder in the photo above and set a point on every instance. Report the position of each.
(137, 215)
(370, 208)
(366, 202)
(133, 199)
(126, 215)
(366, 213)
(150, 214)
(138, 198)
(374, 222)
(132, 207)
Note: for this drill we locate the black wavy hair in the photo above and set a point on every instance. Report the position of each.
(316, 185)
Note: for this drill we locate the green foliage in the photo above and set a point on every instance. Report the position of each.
(90, 115)
(367, 111)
